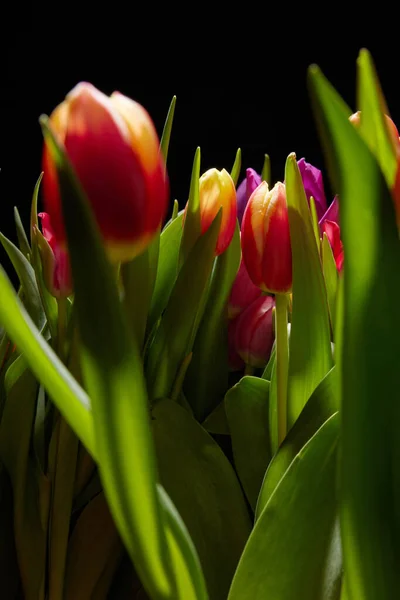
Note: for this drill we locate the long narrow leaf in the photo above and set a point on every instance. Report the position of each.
(288, 555)
(113, 375)
(310, 355)
(368, 351)
(68, 396)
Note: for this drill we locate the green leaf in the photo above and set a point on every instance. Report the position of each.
(175, 335)
(4, 347)
(266, 170)
(288, 554)
(21, 234)
(373, 126)
(49, 303)
(94, 542)
(204, 488)
(273, 410)
(267, 373)
(113, 375)
(237, 165)
(166, 134)
(175, 210)
(368, 341)
(331, 278)
(63, 453)
(26, 276)
(323, 403)
(34, 217)
(246, 406)
(167, 268)
(192, 225)
(64, 390)
(314, 221)
(138, 277)
(187, 568)
(207, 377)
(310, 354)
(216, 422)
(30, 510)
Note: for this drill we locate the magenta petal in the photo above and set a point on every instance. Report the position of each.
(244, 191)
(313, 185)
(332, 214)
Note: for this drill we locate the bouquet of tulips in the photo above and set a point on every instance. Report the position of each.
(203, 406)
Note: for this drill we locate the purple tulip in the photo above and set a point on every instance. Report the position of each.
(332, 214)
(244, 191)
(313, 185)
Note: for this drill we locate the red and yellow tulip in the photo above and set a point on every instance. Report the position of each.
(113, 146)
(265, 239)
(217, 190)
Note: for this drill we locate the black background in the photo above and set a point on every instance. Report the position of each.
(247, 94)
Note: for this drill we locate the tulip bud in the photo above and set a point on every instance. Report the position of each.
(243, 292)
(355, 119)
(313, 185)
(55, 261)
(245, 190)
(217, 190)
(332, 231)
(254, 334)
(265, 239)
(332, 213)
(113, 147)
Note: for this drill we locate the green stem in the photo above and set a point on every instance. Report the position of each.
(282, 363)
(249, 370)
(61, 326)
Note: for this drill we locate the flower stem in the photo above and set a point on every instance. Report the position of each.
(282, 363)
(249, 370)
(61, 326)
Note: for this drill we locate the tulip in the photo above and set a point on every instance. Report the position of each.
(332, 231)
(265, 239)
(114, 149)
(332, 213)
(245, 190)
(313, 185)
(396, 194)
(55, 261)
(254, 335)
(216, 189)
(355, 119)
(243, 292)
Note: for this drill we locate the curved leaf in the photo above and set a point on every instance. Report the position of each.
(324, 402)
(207, 377)
(310, 354)
(237, 165)
(113, 375)
(166, 134)
(15, 439)
(175, 335)
(94, 542)
(373, 126)
(367, 349)
(204, 488)
(247, 409)
(167, 268)
(192, 227)
(21, 234)
(286, 554)
(69, 397)
(26, 276)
